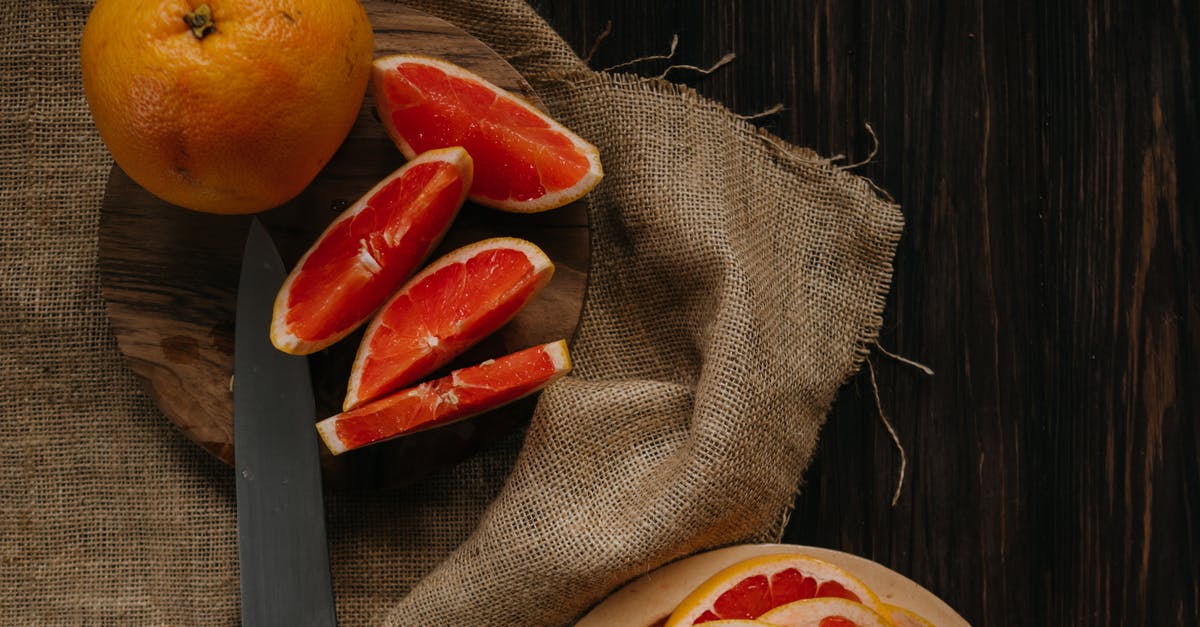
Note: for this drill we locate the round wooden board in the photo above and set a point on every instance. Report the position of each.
(169, 278)
(650, 599)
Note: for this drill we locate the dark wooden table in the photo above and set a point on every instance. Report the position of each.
(1046, 159)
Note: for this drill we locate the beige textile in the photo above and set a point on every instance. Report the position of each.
(736, 284)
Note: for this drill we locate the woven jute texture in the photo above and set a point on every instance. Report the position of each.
(736, 283)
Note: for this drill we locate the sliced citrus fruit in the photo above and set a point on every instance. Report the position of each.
(904, 617)
(369, 250)
(825, 612)
(446, 308)
(750, 588)
(524, 161)
(461, 394)
(739, 622)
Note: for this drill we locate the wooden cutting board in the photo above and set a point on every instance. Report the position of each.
(169, 278)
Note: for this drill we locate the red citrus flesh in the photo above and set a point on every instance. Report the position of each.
(752, 587)
(461, 394)
(754, 595)
(369, 250)
(446, 308)
(524, 160)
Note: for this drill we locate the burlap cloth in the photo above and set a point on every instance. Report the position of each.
(736, 283)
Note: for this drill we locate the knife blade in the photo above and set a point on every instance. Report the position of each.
(282, 547)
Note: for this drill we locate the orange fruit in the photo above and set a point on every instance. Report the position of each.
(904, 617)
(444, 309)
(232, 106)
(369, 250)
(825, 612)
(461, 394)
(524, 161)
(750, 588)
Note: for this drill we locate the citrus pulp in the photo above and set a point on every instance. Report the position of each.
(738, 622)
(524, 161)
(369, 250)
(231, 106)
(752, 587)
(461, 394)
(444, 309)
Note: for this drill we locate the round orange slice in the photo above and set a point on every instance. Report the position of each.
(369, 250)
(739, 622)
(752, 587)
(443, 310)
(825, 612)
(461, 394)
(524, 161)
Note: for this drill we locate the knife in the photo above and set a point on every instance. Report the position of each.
(284, 557)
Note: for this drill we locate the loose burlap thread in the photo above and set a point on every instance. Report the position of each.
(736, 283)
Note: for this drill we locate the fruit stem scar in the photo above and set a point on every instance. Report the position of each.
(200, 21)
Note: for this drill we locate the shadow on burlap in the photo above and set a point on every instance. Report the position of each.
(736, 282)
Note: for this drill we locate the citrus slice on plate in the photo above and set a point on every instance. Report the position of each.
(446, 308)
(825, 612)
(738, 622)
(752, 587)
(369, 250)
(904, 617)
(461, 394)
(524, 161)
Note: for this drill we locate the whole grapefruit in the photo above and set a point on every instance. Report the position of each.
(228, 106)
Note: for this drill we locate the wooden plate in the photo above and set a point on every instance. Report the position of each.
(652, 597)
(169, 278)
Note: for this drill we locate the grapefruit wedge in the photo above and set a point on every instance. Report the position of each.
(369, 250)
(753, 587)
(525, 162)
(825, 612)
(445, 309)
(461, 394)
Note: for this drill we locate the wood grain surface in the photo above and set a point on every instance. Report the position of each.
(169, 278)
(1046, 159)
